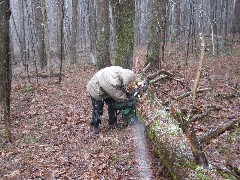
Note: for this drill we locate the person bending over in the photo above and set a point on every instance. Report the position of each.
(108, 86)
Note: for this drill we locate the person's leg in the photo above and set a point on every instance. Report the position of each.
(97, 111)
(112, 112)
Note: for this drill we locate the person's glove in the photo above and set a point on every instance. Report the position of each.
(131, 102)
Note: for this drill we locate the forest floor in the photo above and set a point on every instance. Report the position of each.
(52, 138)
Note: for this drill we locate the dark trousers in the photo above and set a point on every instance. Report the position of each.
(97, 111)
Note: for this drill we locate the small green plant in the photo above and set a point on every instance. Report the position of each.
(224, 149)
(201, 176)
(27, 89)
(235, 134)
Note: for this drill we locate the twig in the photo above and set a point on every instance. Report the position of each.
(163, 72)
(178, 98)
(146, 68)
(190, 93)
(200, 116)
(160, 78)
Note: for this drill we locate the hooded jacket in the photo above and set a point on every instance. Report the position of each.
(110, 82)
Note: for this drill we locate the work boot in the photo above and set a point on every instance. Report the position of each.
(97, 130)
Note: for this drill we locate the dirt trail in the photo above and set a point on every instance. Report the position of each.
(53, 139)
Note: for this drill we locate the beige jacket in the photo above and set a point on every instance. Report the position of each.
(110, 82)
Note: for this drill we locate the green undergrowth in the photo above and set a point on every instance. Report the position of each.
(27, 89)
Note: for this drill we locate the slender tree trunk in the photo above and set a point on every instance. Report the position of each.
(226, 21)
(103, 35)
(213, 5)
(40, 33)
(92, 29)
(237, 17)
(74, 31)
(61, 3)
(23, 35)
(5, 64)
(59, 27)
(178, 19)
(137, 22)
(46, 39)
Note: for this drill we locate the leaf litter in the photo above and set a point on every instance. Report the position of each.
(53, 138)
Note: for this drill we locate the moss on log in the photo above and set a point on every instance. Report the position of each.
(171, 144)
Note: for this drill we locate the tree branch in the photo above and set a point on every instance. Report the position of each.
(190, 93)
(199, 71)
(213, 133)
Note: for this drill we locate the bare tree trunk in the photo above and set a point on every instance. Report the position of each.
(23, 36)
(46, 39)
(92, 30)
(178, 19)
(40, 33)
(103, 35)
(137, 30)
(125, 14)
(59, 16)
(213, 5)
(157, 29)
(237, 17)
(61, 3)
(74, 31)
(5, 65)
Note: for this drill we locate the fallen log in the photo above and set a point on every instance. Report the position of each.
(171, 144)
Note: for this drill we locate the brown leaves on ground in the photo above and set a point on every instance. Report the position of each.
(53, 139)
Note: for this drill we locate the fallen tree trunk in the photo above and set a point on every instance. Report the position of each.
(171, 144)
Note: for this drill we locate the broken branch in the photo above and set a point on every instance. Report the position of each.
(190, 93)
(199, 71)
(217, 131)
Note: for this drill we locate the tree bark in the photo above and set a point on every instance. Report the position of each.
(237, 17)
(92, 29)
(46, 39)
(178, 20)
(124, 13)
(39, 33)
(5, 65)
(103, 34)
(157, 29)
(74, 30)
(59, 28)
(61, 10)
(171, 144)
(23, 49)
